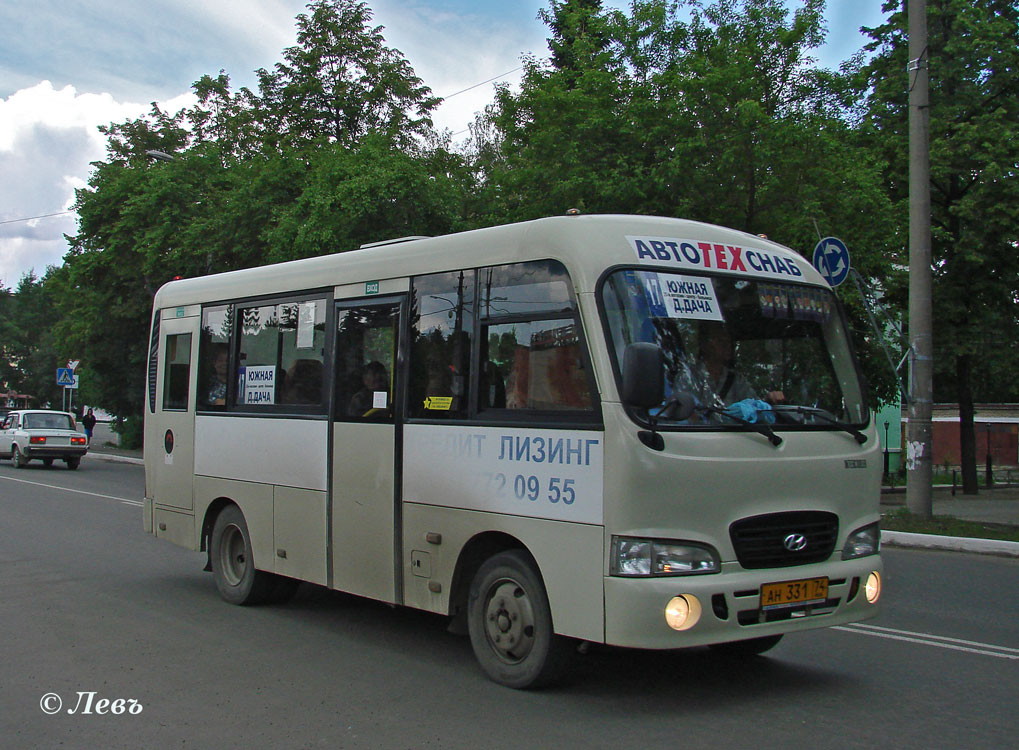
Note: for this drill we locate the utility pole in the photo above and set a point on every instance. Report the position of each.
(919, 443)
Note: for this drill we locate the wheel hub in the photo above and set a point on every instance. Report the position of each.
(509, 621)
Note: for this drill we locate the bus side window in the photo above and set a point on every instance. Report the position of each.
(280, 357)
(532, 354)
(366, 342)
(213, 357)
(443, 318)
(177, 371)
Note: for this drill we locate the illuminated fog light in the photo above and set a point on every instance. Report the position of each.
(683, 612)
(873, 587)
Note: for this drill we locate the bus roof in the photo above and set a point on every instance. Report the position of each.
(586, 245)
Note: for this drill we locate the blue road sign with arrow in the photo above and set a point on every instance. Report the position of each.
(831, 259)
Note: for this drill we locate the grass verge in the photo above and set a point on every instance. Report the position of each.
(901, 519)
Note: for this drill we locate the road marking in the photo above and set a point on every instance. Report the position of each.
(124, 500)
(927, 639)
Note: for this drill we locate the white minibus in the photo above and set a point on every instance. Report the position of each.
(636, 431)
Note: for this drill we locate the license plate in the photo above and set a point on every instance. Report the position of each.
(794, 593)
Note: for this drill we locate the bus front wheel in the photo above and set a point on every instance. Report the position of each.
(510, 623)
(233, 564)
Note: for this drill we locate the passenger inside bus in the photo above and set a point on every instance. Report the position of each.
(716, 352)
(303, 382)
(374, 380)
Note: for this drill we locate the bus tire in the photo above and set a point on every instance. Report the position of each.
(746, 649)
(510, 623)
(233, 564)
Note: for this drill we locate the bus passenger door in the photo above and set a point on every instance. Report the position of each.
(169, 438)
(363, 513)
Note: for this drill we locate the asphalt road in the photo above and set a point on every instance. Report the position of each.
(94, 610)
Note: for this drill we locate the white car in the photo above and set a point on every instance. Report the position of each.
(27, 434)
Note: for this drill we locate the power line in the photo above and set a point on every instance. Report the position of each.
(32, 218)
(464, 91)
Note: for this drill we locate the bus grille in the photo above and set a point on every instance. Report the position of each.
(760, 541)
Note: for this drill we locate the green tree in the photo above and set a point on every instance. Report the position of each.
(365, 194)
(28, 350)
(973, 59)
(341, 82)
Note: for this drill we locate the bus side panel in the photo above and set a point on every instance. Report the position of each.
(569, 557)
(269, 450)
(299, 534)
(363, 510)
(256, 503)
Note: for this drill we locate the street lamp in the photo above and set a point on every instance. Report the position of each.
(159, 155)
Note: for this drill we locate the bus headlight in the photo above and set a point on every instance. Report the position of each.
(659, 557)
(862, 542)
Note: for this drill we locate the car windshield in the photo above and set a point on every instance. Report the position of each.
(759, 350)
(47, 422)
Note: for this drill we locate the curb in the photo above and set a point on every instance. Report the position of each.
(116, 458)
(950, 543)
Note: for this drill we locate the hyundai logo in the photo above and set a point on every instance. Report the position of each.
(795, 542)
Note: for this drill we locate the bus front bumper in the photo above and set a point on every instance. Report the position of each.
(727, 605)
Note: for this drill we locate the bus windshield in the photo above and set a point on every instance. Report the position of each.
(742, 348)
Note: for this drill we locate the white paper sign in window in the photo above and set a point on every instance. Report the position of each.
(689, 297)
(259, 384)
(306, 326)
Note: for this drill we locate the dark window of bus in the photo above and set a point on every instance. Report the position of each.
(213, 357)
(532, 356)
(442, 317)
(153, 359)
(281, 354)
(176, 371)
(366, 345)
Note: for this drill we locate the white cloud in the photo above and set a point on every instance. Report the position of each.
(48, 137)
(451, 50)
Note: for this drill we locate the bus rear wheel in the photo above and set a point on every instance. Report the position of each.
(510, 624)
(233, 564)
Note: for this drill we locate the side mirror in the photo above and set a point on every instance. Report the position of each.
(643, 376)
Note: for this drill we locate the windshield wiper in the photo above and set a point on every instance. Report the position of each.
(759, 427)
(814, 411)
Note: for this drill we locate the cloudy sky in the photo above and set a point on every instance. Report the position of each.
(68, 66)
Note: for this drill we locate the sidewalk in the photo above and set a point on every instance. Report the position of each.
(104, 446)
(998, 505)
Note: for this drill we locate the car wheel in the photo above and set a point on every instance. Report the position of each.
(510, 624)
(18, 458)
(233, 564)
(746, 649)
(47, 462)
(72, 463)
